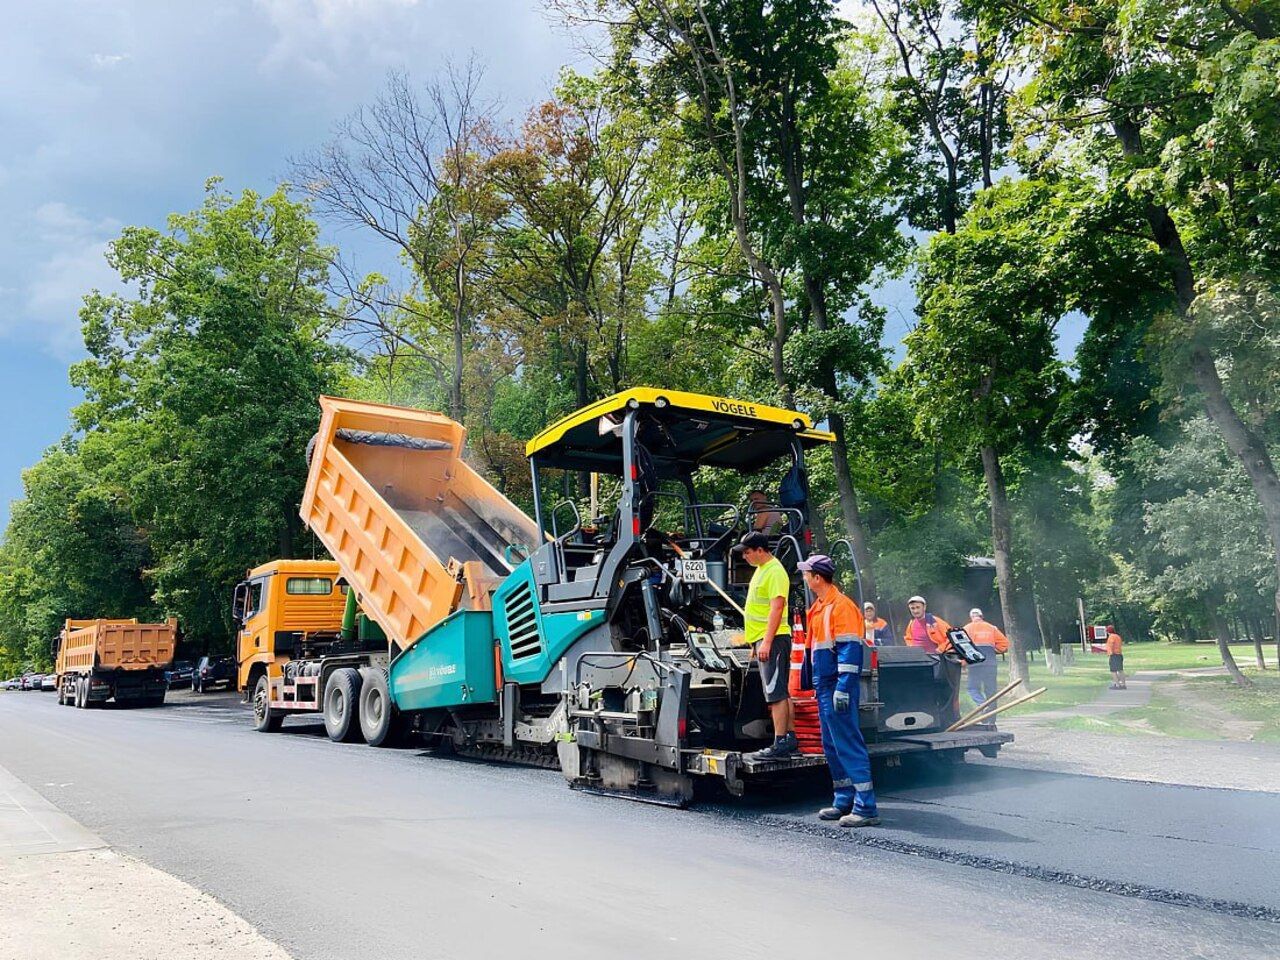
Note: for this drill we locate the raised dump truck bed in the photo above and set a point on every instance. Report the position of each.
(391, 498)
(124, 660)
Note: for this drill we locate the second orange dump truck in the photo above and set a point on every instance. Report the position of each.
(121, 660)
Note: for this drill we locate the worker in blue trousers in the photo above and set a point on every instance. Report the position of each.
(836, 631)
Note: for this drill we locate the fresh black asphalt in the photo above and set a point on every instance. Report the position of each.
(341, 851)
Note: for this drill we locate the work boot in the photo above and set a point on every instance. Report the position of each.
(782, 748)
(832, 813)
(860, 820)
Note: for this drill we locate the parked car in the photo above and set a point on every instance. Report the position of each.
(179, 675)
(49, 682)
(13, 683)
(31, 681)
(212, 671)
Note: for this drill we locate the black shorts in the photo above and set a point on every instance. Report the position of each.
(1115, 663)
(775, 672)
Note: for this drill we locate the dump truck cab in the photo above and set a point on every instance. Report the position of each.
(282, 608)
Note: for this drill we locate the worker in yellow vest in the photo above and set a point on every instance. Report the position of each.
(766, 627)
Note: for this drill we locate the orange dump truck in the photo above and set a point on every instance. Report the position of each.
(121, 660)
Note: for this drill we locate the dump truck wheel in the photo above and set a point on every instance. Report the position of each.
(265, 720)
(378, 720)
(342, 705)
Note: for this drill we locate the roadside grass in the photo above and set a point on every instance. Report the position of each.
(1087, 677)
(1165, 716)
(1259, 703)
(1196, 708)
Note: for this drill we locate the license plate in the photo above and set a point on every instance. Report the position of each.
(693, 571)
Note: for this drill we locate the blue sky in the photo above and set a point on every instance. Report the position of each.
(116, 113)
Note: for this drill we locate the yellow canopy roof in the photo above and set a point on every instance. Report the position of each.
(681, 431)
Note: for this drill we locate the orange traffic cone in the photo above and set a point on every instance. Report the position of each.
(799, 650)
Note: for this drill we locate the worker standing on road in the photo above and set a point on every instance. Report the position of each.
(1115, 659)
(924, 629)
(836, 632)
(989, 640)
(877, 630)
(766, 626)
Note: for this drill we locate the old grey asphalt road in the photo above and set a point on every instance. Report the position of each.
(340, 851)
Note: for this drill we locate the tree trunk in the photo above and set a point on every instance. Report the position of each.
(816, 294)
(1002, 542)
(1053, 657)
(456, 410)
(583, 396)
(1248, 447)
(288, 531)
(1243, 442)
(849, 506)
(1220, 631)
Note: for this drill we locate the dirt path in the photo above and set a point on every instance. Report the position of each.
(1228, 726)
(1231, 761)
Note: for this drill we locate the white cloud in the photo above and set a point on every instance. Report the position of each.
(107, 60)
(45, 309)
(322, 36)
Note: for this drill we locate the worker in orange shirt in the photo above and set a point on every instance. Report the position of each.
(930, 633)
(877, 630)
(924, 629)
(836, 633)
(989, 640)
(1115, 659)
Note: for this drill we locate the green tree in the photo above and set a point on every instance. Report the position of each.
(410, 168)
(71, 550)
(774, 104)
(1209, 492)
(983, 358)
(1177, 103)
(200, 391)
(950, 94)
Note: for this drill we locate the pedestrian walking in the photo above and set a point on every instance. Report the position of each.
(766, 627)
(989, 640)
(836, 632)
(1115, 659)
(877, 630)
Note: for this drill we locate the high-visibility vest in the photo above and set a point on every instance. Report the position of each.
(768, 578)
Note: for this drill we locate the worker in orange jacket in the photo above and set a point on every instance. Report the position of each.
(877, 630)
(930, 633)
(924, 629)
(989, 640)
(836, 633)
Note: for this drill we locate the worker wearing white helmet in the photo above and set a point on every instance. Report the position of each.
(990, 641)
(924, 629)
